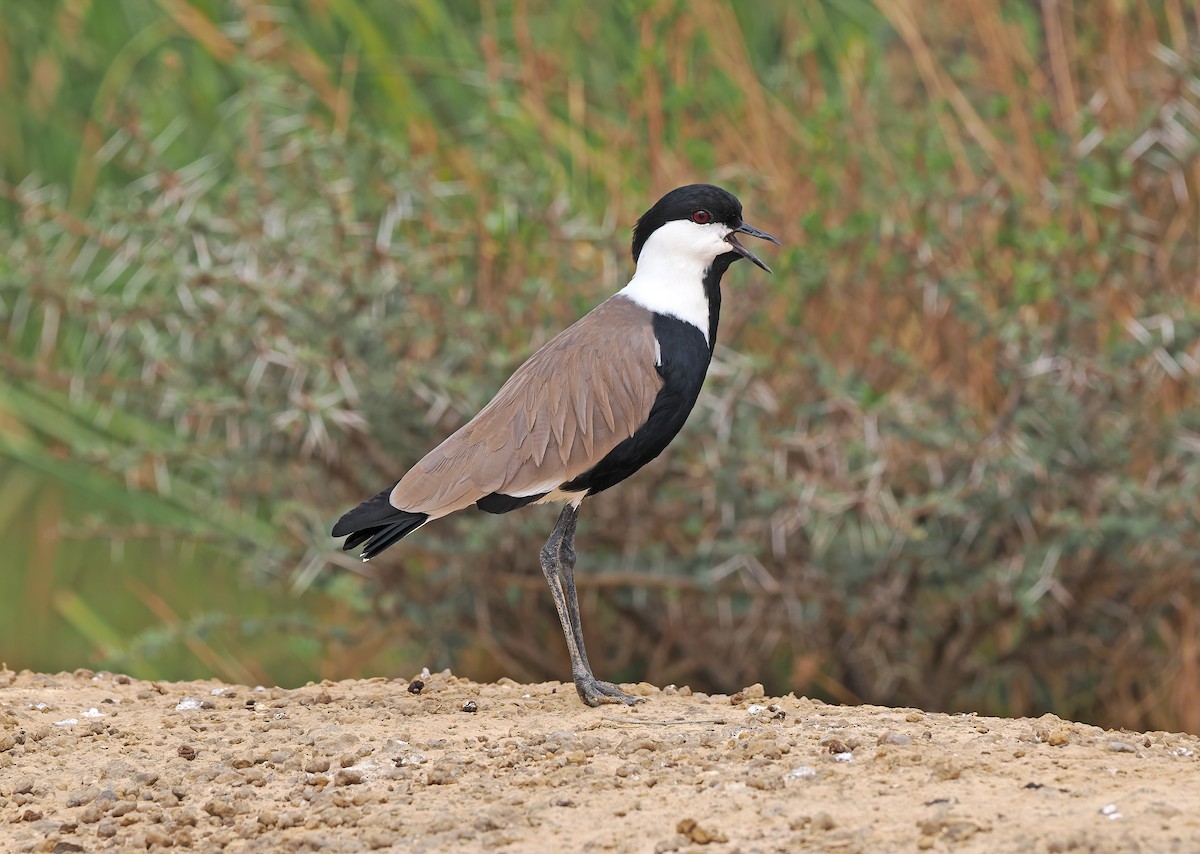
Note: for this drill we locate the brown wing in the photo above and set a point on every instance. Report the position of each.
(571, 403)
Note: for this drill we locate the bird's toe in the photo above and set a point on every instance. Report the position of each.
(597, 693)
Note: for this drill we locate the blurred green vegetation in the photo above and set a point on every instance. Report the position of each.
(259, 258)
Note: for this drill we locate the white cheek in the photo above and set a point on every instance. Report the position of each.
(671, 267)
(716, 239)
(705, 241)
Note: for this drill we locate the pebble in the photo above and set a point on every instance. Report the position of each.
(692, 830)
(1058, 737)
(156, 836)
(81, 797)
(219, 808)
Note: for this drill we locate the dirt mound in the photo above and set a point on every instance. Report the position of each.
(93, 761)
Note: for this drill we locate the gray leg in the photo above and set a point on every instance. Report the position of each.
(558, 565)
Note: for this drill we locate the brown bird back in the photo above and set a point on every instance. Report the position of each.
(587, 390)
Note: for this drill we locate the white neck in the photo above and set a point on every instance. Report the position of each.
(670, 273)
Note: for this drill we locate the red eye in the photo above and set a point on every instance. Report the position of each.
(702, 216)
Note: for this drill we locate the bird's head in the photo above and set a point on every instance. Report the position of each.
(697, 222)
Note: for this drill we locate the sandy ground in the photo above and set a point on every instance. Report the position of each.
(97, 761)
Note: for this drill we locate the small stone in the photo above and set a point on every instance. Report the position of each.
(1058, 737)
(348, 777)
(1121, 747)
(7, 742)
(82, 797)
(219, 808)
(106, 829)
(914, 716)
(764, 782)
(947, 769)
(442, 775)
(186, 751)
(823, 821)
(416, 686)
(31, 815)
(470, 706)
(316, 765)
(156, 836)
(836, 745)
(893, 737)
(692, 830)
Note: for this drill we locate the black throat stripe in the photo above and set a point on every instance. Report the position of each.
(684, 360)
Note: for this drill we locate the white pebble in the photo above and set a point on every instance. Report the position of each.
(187, 704)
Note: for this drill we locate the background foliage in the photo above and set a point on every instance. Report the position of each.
(258, 258)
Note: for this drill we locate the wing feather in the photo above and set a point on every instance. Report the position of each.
(588, 389)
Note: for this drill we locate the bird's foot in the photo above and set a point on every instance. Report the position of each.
(594, 692)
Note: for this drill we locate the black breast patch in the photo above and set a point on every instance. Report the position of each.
(684, 362)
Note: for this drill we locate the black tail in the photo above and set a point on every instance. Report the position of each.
(378, 524)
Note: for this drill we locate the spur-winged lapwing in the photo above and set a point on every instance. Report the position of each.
(595, 404)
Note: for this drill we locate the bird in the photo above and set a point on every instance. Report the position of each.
(593, 405)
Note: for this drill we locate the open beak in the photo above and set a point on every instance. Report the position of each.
(745, 228)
